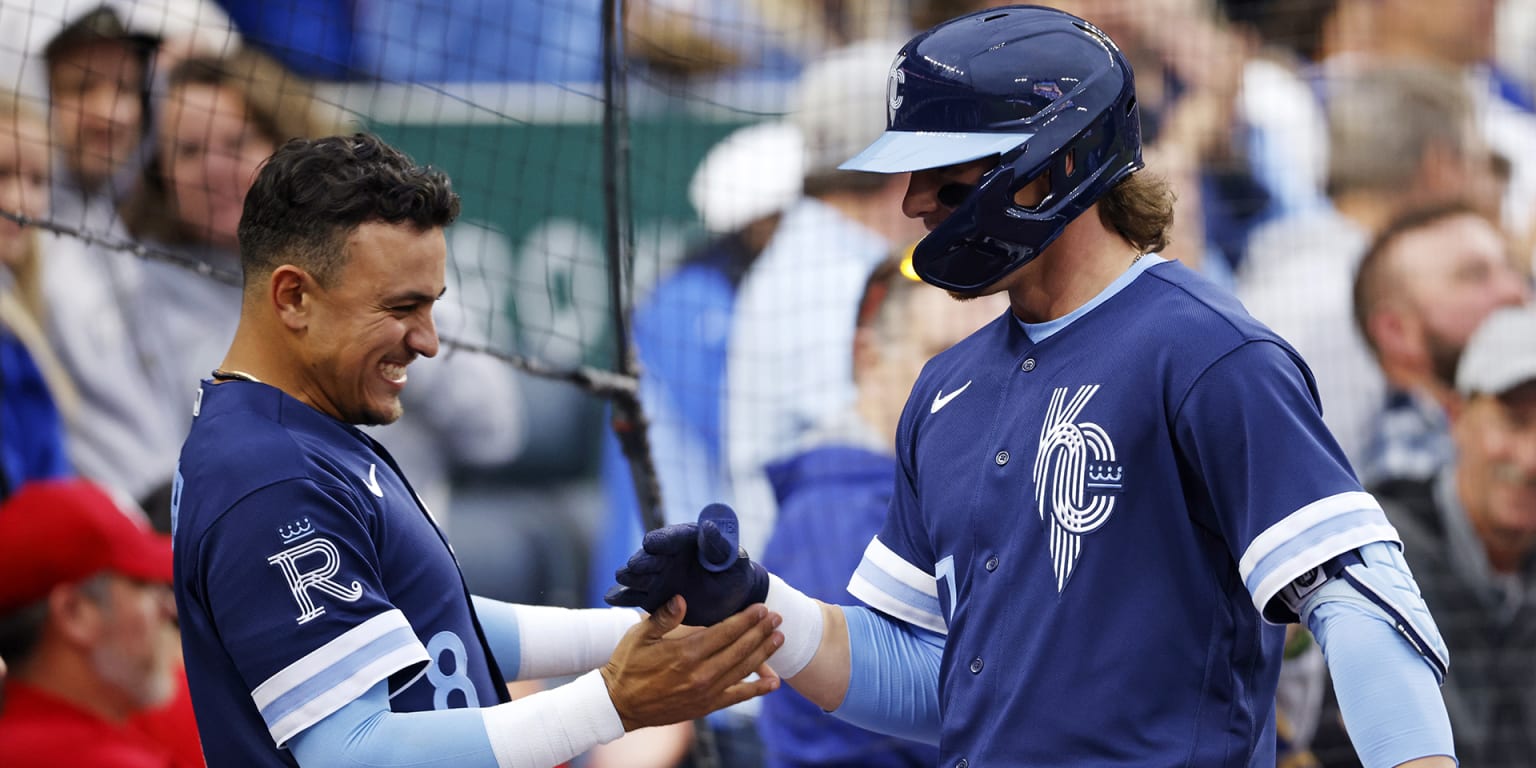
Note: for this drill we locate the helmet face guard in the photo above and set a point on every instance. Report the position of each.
(1045, 92)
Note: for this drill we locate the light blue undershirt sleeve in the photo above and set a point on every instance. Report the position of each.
(893, 683)
(366, 734)
(498, 621)
(1387, 692)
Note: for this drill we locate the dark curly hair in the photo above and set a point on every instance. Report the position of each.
(313, 193)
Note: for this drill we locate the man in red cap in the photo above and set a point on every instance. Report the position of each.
(87, 627)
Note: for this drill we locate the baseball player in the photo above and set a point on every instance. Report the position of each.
(324, 618)
(1112, 498)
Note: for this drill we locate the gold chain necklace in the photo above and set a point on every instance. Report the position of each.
(220, 374)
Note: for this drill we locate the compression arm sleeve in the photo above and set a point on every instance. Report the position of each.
(1389, 696)
(563, 641)
(893, 683)
(537, 731)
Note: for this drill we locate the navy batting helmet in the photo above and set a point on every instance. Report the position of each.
(1043, 89)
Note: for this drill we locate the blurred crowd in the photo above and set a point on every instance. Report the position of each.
(1357, 172)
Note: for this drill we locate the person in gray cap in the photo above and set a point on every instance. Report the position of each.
(1469, 534)
(98, 86)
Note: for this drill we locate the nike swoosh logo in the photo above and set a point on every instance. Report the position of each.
(373, 481)
(940, 400)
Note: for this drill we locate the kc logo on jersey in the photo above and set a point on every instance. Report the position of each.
(1077, 478)
(310, 566)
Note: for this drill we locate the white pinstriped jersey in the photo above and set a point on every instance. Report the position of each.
(1095, 510)
(306, 573)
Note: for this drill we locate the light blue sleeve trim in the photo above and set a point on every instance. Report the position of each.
(1387, 692)
(498, 621)
(366, 734)
(893, 685)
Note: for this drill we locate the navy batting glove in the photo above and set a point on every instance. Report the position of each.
(701, 561)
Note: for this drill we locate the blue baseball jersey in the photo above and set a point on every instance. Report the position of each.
(306, 572)
(1097, 510)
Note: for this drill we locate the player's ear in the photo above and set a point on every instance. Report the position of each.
(292, 294)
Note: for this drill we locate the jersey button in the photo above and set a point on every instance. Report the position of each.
(1002, 458)
(992, 563)
(976, 665)
(1029, 365)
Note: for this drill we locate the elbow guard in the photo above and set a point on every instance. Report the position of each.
(1375, 574)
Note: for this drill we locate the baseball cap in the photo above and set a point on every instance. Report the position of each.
(751, 173)
(1501, 354)
(97, 24)
(56, 532)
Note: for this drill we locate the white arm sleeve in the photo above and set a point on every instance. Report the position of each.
(532, 642)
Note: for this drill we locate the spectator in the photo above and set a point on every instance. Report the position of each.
(1191, 62)
(834, 495)
(680, 335)
(222, 117)
(98, 85)
(32, 383)
(1460, 38)
(1423, 287)
(1401, 137)
(97, 59)
(88, 626)
(1469, 534)
(788, 366)
(1287, 131)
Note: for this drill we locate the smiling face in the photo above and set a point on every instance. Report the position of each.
(209, 152)
(97, 114)
(1496, 471)
(376, 318)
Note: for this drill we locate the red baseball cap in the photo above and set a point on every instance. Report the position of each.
(56, 532)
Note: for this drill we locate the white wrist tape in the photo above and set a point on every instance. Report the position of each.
(566, 641)
(553, 726)
(801, 627)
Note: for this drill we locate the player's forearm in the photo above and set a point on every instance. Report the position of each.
(825, 679)
(532, 642)
(1438, 761)
(814, 658)
(1387, 693)
(542, 729)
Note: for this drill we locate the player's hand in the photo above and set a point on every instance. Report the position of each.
(700, 561)
(654, 679)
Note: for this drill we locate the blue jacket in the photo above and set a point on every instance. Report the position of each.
(832, 501)
(31, 433)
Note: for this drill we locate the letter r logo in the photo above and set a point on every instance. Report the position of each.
(321, 561)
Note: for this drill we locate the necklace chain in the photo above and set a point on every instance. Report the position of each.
(219, 374)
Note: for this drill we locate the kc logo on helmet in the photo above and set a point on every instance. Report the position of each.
(893, 89)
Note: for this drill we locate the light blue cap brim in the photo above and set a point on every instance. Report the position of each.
(904, 151)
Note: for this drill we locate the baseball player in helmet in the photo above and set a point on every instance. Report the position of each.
(1111, 499)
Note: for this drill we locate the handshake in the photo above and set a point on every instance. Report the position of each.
(701, 561)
